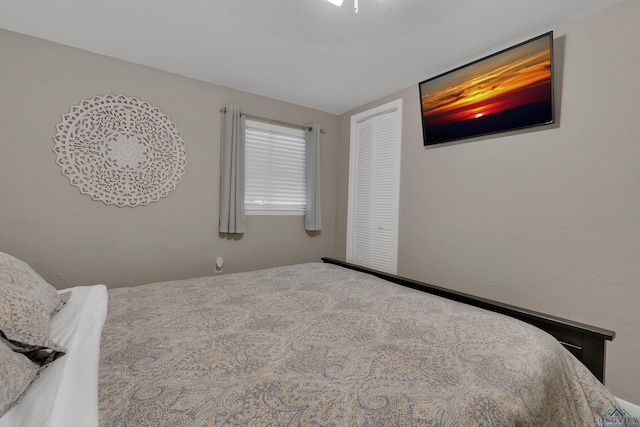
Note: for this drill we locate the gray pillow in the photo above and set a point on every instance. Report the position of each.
(16, 373)
(27, 303)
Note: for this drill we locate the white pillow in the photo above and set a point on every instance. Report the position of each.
(66, 393)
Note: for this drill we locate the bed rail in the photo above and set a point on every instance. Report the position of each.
(586, 342)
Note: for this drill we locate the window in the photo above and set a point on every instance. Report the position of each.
(274, 169)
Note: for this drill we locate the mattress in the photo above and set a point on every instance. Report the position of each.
(316, 344)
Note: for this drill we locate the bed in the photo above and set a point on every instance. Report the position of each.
(317, 344)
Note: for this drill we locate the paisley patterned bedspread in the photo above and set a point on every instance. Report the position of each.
(320, 345)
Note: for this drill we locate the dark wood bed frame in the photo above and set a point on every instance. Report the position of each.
(587, 343)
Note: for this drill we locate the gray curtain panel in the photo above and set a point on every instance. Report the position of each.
(312, 216)
(232, 172)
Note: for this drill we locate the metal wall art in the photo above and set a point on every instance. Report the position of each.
(120, 150)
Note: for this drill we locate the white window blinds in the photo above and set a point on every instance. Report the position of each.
(274, 169)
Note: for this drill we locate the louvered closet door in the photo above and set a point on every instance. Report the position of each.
(374, 182)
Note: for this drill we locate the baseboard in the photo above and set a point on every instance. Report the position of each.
(631, 408)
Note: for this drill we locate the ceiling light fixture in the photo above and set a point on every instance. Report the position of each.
(339, 3)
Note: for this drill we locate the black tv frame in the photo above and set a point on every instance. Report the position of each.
(520, 116)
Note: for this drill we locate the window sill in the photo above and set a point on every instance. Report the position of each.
(273, 212)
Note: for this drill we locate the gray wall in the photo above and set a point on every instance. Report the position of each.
(547, 219)
(71, 239)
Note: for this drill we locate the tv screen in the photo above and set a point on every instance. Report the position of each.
(511, 89)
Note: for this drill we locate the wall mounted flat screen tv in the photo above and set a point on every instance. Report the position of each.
(511, 89)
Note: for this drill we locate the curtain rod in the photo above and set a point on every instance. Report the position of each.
(275, 122)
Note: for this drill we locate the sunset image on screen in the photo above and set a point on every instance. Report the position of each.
(506, 91)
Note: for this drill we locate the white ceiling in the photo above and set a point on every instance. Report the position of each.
(307, 52)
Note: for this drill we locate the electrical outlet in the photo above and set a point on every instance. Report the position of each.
(219, 265)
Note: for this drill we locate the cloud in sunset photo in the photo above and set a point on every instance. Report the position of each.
(509, 90)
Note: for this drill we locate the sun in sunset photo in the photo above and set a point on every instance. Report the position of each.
(509, 90)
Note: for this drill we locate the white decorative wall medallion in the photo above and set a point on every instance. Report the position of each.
(120, 150)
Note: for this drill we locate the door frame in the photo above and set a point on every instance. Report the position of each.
(388, 108)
